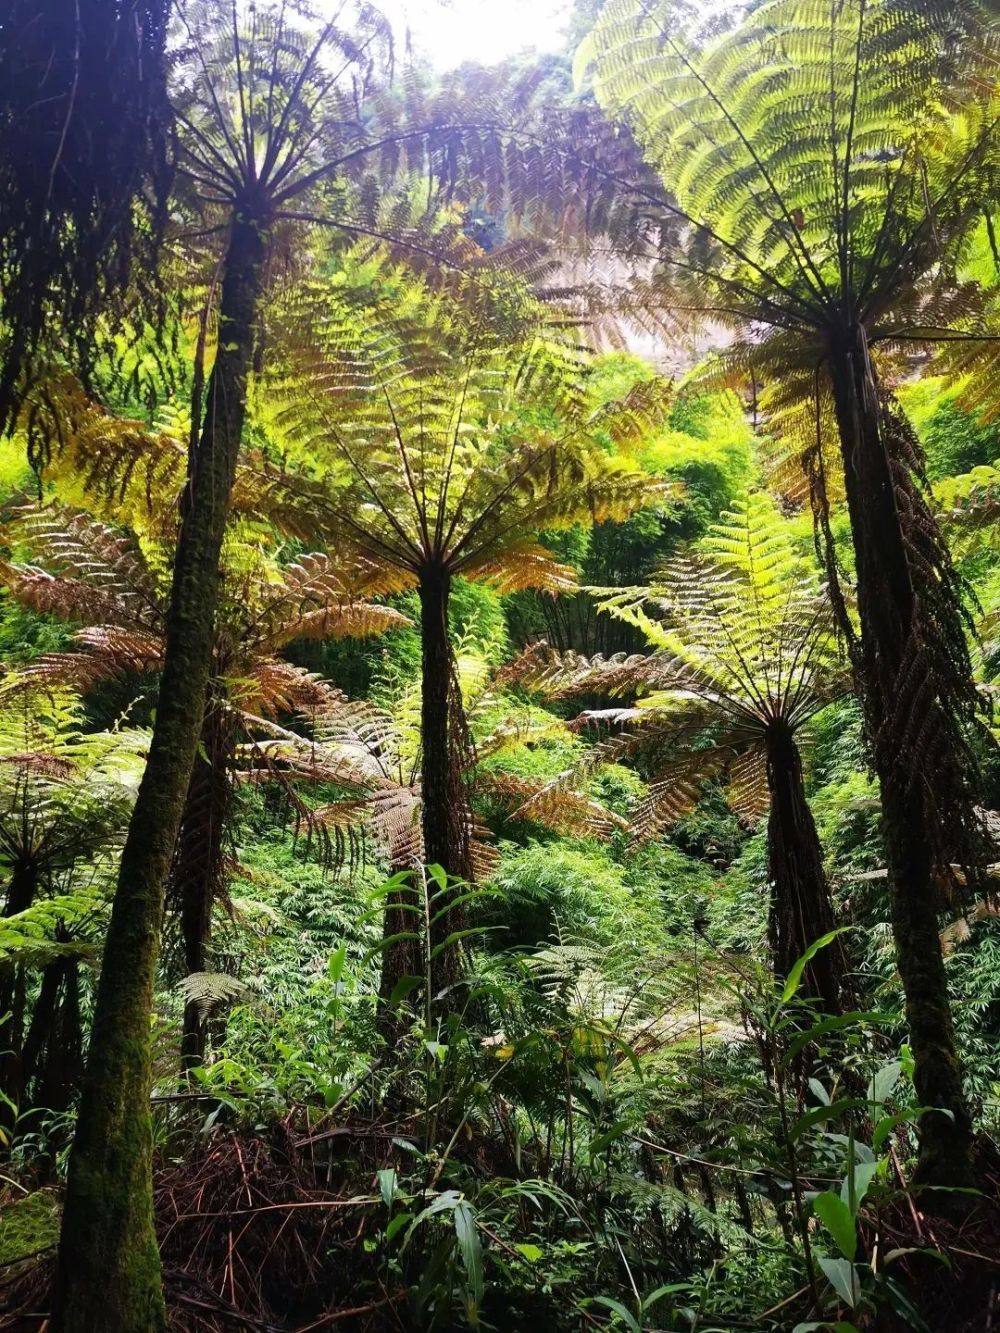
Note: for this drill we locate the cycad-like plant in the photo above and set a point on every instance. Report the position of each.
(825, 166)
(443, 463)
(744, 655)
(87, 574)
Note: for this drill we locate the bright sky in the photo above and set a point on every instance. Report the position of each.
(448, 32)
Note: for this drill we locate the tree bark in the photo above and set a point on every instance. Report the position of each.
(199, 863)
(53, 1047)
(435, 700)
(887, 610)
(442, 805)
(108, 1273)
(801, 909)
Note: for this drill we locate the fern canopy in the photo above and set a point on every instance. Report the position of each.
(821, 156)
(743, 642)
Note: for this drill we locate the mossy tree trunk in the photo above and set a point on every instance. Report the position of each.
(801, 908)
(887, 608)
(108, 1273)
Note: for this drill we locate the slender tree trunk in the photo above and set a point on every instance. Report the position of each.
(109, 1269)
(435, 704)
(20, 895)
(43, 1019)
(53, 1047)
(199, 862)
(442, 804)
(887, 607)
(801, 909)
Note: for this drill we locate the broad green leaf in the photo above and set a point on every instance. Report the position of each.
(884, 1081)
(888, 1123)
(668, 1289)
(820, 1113)
(470, 1248)
(387, 942)
(396, 1224)
(835, 1215)
(842, 1278)
(623, 1313)
(404, 987)
(794, 979)
(819, 1092)
(832, 1024)
(601, 1141)
(530, 1252)
(387, 1184)
(857, 1181)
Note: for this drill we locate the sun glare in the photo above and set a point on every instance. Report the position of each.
(451, 32)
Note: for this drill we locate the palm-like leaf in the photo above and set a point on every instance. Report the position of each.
(743, 639)
(457, 457)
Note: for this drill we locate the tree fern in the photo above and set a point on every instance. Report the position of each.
(826, 165)
(744, 655)
(86, 572)
(447, 462)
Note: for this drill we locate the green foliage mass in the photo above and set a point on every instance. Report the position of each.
(577, 1088)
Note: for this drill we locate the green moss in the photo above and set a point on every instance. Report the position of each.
(28, 1224)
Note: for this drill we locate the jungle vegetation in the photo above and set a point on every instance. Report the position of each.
(499, 586)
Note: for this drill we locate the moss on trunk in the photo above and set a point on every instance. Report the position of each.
(108, 1273)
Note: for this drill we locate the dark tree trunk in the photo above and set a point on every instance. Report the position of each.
(43, 1018)
(20, 895)
(888, 610)
(53, 1045)
(444, 815)
(109, 1269)
(198, 873)
(801, 909)
(435, 704)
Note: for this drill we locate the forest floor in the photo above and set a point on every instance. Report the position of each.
(286, 1233)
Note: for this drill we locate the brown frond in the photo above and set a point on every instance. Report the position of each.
(85, 571)
(746, 785)
(557, 804)
(677, 789)
(524, 564)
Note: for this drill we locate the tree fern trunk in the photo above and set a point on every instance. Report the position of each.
(109, 1270)
(887, 607)
(443, 809)
(20, 895)
(199, 864)
(435, 587)
(801, 910)
(54, 1044)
